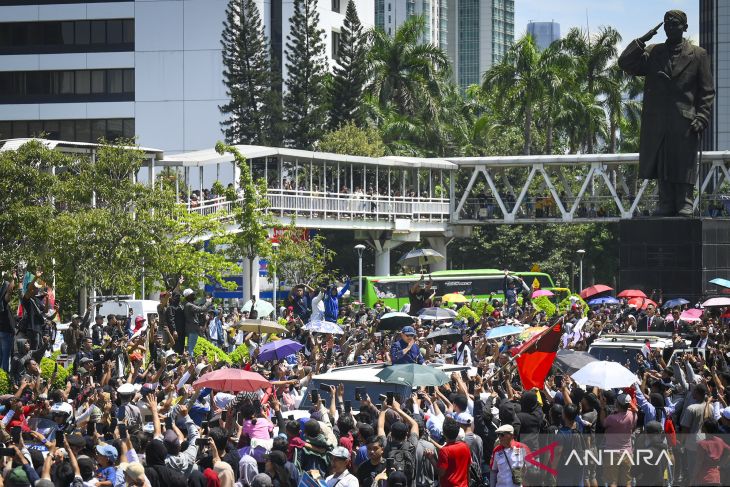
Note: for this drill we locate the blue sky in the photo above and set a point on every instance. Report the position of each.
(632, 18)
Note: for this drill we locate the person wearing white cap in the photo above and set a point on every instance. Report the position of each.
(193, 326)
(508, 459)
(341, 477)
(127, 410)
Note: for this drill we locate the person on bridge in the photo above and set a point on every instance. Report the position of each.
(332, 300)
(405, 350)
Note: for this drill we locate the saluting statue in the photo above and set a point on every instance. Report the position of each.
(678, 96)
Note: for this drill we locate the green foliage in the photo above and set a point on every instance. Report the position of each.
(350, 73)
(565, 305)
(465, 313)
(298, 260)
(47, 365)
(204, 347)
(6, 386)
(306, 93)
(353, 140)
(253, 238)
(247, 76)
(543, 303)
(240, 355)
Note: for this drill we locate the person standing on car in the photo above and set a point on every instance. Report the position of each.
(192, 318)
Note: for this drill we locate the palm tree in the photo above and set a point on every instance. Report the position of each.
(621, 92)
(594, 55)
(407, 73)
(527, 78)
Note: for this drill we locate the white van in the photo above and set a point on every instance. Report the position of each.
(140, 307)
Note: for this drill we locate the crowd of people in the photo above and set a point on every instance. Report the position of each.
(129, 412)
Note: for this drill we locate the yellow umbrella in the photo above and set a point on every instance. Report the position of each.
(454, 298)
(260, 326)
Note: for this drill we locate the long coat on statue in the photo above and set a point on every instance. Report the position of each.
(674, 94)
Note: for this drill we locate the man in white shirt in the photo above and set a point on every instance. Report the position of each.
(507, 456)
(341, 477)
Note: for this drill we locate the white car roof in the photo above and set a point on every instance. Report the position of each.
(367, 372)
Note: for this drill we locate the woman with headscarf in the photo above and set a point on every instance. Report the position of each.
(159, 474)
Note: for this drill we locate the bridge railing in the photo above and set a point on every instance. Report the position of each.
(573, 188)
(314, 204)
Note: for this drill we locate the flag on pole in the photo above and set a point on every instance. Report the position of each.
(535, 357)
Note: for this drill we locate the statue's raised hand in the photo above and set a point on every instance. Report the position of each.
(651, 33)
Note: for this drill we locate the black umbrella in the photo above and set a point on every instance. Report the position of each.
(395, 321)
(570, 361)
(450, 335)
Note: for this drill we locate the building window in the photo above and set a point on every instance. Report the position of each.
(336, 6)
(67, 86)
(335, 45)
(70, 130)
(67, 36)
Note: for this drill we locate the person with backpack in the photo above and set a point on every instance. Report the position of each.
(570, 442)
(402, 443)
(453, 459)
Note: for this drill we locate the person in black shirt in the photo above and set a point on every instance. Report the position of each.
(368, 470)
(7, 322)
(420, 297)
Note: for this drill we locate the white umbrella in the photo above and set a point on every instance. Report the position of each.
(263, 308)
(712, 302)
(605, 375)
(421, 257)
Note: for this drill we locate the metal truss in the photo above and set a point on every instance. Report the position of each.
(575, 188)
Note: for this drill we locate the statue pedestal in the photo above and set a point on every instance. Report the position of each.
(677, 255)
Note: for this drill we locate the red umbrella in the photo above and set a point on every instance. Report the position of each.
(233, 380)
(641, 303)
(631, 293)
(593, 290)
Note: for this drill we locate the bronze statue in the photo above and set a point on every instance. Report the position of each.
(678, 95)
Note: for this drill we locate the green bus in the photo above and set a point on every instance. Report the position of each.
(392, 291)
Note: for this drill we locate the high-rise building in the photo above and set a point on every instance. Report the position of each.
(715, 39)
(78, 70)
(390, 14)
(544, 33)
(479, 33)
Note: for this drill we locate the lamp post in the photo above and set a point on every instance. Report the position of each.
(275, 248)
(581, 253)
(359, 248)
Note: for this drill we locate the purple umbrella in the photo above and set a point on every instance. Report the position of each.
(278, 350)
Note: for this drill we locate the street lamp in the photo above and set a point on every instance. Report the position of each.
(275, 249)
(359, 248)
(581, 253)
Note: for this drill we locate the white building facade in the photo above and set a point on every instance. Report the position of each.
(151, 68)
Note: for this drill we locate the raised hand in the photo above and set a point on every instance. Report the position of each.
(651, 33)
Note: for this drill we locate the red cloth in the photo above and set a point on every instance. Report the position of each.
(709, 454)
(347, 441)
(295, 442)
(211, 478)
(454, 460)
(535, 357)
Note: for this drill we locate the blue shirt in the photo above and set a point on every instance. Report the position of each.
(398, 357)
(332, 304)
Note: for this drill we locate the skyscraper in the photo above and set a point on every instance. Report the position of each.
(479, 34)
(715, 39)
(80, 70)
(544, 33)
(390, 14)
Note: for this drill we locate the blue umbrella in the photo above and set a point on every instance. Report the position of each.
(603, 300)
(278, 350)
(673, 303)
(324, 327)
(721, 282)
(504, 331)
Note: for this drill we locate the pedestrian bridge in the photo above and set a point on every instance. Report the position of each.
(437, 195)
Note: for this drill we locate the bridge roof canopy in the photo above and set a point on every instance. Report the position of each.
(69, 146)
(208, 157)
